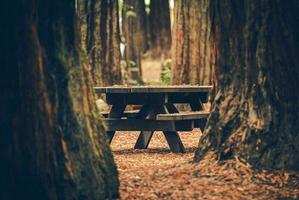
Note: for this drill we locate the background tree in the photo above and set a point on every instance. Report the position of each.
(134, 30)
(101, 38)
(255, 112)
(53, 145)
(192, 59)
(160, 28)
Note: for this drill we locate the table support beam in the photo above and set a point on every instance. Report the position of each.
(145, 137)
(116, 112)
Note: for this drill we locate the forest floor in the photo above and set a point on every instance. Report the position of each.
(156, 173)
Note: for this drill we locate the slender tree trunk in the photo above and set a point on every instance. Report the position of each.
(52, 142)
(193, 59)
(134, 31)
(100, 36)
(255, 115)
(160, 30)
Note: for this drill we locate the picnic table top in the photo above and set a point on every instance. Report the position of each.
(154, 89)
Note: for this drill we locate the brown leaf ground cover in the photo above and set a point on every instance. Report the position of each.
(156, 173)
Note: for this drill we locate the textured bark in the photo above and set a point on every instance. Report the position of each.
(255, 115)
(193, 57)
(100, 36)
(159, 27)
(52, 142)
(110, 36)
(134, 31)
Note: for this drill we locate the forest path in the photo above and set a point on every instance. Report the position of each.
(156, 173)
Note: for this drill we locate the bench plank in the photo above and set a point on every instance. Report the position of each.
(128, 114)
(153, 89)
(147, 125)
(183, 116)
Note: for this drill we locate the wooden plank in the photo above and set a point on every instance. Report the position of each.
(118, 90)
(187, 97)
(154, 98)
(129, 114)
(183, 116)
(100, 90)
(154, 89)
(147, 125)
(135, 98)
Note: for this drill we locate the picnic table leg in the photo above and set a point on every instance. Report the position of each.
(144, 137)
(115, 112)
(198, 106)
(172, 137)
(171, 108)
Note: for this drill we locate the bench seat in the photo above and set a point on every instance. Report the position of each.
(183, 116)
(148, 125)
(127, 114)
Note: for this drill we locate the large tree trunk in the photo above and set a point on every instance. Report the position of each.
(110, 36)
(134, 32)
(193, 60)
(255, 115)
(100, 35)
(52, 142)
(160, 30)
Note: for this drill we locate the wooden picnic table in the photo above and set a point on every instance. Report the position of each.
(157, 112)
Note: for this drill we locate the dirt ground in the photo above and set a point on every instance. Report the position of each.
(156, 173)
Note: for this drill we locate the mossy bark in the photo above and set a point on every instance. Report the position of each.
(193, 57)
(53, 145)
(255, 114)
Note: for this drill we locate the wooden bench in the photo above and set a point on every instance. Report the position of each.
(127, 114)
(156, 102)
(164, 122)
(183, 116)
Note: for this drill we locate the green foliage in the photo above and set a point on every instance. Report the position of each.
(166, 72)
(131, 13)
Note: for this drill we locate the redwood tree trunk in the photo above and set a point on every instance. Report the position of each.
(160, 30)
(134, 31)
(100, 36)
(193, 59)
(110, 36)
(52, 143)
(255, 115)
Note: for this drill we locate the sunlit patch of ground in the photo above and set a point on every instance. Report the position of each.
(156, 173)
(151, 70)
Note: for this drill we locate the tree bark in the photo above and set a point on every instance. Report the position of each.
(160, 30)
(255, 114)
(110, 36)
(101, 39)
(193, 58)
(52, 142)
(134, 32)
